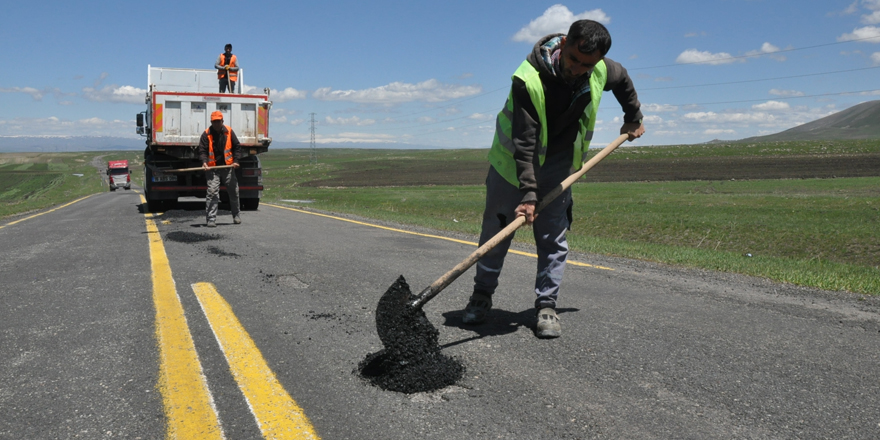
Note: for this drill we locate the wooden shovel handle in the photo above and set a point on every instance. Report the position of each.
(182, 170)
(447, 278)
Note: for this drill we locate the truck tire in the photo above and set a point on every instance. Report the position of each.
(249, 204)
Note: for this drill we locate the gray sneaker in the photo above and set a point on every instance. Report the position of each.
(548, 324)
(236, 219)
(211, 224)
(477, 309)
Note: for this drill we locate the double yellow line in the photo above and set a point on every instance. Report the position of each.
(189, 408)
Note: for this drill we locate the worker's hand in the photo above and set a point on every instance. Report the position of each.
(227, 67)
(205, 166)
(635, 130)
(235, 165)
(526, 210)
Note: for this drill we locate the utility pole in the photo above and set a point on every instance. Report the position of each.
(313, 155)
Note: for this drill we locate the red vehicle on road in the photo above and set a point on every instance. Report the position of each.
(118, 175)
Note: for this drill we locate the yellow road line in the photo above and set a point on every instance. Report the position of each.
(573, 263)
(46, 212)
(189, 407)
(277, 414)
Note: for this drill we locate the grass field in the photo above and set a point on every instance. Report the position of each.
(33, 181)
(817, 232)
(814, 232)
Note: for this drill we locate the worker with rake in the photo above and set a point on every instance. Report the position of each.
(220, 153)
(542, 136)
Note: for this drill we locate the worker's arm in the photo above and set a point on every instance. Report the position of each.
(236, 150)
(620, 83)
(525, 130)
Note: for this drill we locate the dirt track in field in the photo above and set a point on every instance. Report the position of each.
(667, 169)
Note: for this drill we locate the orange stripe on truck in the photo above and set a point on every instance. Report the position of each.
(157, 118)
(263, 121)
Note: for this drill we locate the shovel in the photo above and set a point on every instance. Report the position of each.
(182, 170)
(399, 303)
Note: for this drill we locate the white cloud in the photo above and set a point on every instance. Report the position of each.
(398, 92)
(717, 131)
(355, 137)
(777, 92)
(694, 34)
(287, 94)
(693, 56)
(867, 34)
(37, 95)
(481, 116)
(772, 105)
(659, 108)
(872, 18)
(354, 120)
(113, 93)
(766, 49)
(875, 57)
(729, 117)
(556, 19)
(55, 126)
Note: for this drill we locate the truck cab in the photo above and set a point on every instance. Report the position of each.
(118, 174)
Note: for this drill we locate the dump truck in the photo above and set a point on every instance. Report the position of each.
(179, 106)
(118, 175)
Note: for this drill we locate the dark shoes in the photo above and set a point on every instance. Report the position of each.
(477, 309)
(548, 324)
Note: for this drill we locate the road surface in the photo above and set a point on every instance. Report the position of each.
(120, 324)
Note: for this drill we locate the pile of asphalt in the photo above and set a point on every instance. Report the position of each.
(412, 361)
(190, 237)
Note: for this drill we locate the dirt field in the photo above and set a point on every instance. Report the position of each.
(404, 173)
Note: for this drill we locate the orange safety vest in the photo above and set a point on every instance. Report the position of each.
(233, 74)
(227, 150)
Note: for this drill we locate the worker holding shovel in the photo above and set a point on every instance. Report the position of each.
(227, 69)
(542, 135)
(219, 141)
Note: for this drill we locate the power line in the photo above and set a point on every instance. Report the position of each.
(755, 55)
(782, 98)
(759, 80)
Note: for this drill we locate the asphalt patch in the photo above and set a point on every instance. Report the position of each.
(412, 361)
(217, 251)
(190, 237)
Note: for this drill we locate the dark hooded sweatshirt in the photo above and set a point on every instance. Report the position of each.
(562, 115)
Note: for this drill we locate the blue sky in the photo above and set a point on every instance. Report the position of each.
(436, 73)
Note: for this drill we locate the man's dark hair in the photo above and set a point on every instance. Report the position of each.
(589, 36)
(228, 46)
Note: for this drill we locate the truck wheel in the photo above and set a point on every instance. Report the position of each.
(249, 204)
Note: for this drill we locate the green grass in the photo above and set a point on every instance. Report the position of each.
(814, 232)
(33, 181)
(819, 233)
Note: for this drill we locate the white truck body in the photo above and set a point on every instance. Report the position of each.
(179, 106)
(180, 103)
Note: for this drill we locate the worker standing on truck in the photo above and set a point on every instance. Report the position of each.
(227, 69)
(543, 133)
(219, 141)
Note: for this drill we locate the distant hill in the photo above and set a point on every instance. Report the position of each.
(53, 144)
(860, 121)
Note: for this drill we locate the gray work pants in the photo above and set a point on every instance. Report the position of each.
(212, 198)
(550, 227)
